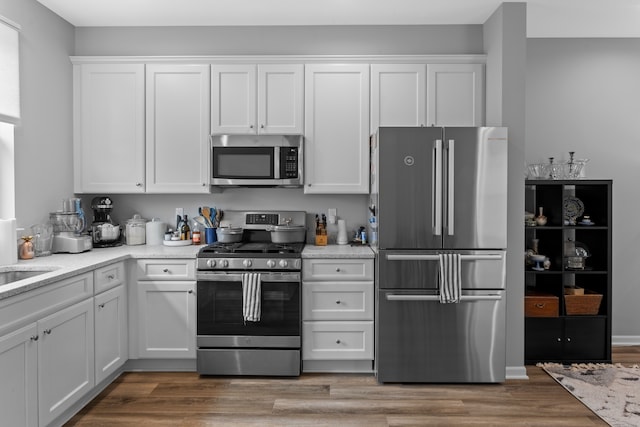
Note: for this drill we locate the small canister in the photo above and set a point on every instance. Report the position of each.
(135, 231)
(156, 230)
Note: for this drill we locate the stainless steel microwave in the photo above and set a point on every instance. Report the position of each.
(257, 160)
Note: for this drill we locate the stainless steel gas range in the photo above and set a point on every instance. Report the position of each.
(252, 276)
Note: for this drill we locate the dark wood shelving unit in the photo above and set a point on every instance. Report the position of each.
(562, 337)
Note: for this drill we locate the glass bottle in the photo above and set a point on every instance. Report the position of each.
(185, 230)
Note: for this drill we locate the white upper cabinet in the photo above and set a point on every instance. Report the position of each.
(337, 129)
(257, 99)
(455, 94)
(398, 95)
(177, 123)
(109, 125)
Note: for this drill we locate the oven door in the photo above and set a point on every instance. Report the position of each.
(219, 313)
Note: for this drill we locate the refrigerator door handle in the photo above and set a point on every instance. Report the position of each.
(436, 190)
(450, 186)
(435, 257)
(463, 298)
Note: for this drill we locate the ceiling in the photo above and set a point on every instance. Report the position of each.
(545, 18)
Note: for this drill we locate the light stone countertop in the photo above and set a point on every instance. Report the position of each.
(337, 251)
(62, 266)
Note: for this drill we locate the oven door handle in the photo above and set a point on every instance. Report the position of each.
(237, 277)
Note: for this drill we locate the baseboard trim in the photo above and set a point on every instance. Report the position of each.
(516, 373)
(625, 340)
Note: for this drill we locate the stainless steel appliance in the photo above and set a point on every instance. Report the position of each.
(104, 232)
(440, 190)
(69, 227)
(227, 343)
(257, 160)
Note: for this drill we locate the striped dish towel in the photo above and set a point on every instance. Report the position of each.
(450, 282)
(251, 295)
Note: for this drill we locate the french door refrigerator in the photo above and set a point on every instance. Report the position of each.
(440, 190)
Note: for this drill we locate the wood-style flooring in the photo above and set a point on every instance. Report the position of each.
(185, 399)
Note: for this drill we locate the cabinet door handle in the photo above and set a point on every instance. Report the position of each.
(47, 332)
(34, 338)
(101, 305)
(568, 339)
(559, 340)
(138, 184)
(190, 291)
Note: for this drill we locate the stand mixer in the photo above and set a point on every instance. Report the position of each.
(105, 233)
(68, 227)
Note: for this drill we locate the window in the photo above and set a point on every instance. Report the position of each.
(9, 112)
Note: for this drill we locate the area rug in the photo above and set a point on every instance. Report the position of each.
(611, 391)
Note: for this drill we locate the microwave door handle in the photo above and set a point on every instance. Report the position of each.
(450, 187)
(276, 162)
(436, 189)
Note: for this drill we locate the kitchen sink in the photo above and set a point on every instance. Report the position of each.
(11, 276)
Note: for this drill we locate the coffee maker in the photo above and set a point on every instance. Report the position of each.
(105, 233)
(69, 225)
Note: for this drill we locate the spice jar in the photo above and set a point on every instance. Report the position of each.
(135, 231)
(26, 248)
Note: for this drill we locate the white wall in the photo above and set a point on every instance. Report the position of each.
(43, 163)
(583, 95)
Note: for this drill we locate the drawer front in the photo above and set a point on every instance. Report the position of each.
(30, 306)
(337, 269)
(337, 340)
(109, 277)
(541, 306)
(166, 269)
(337, 301)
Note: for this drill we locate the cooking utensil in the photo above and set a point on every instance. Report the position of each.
(287, 233)
(218, 218)
(202, 221)
(229, 234)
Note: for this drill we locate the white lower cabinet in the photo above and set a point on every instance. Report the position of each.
(19, 377)
(337, 315)
(111, 338)
(65, 359)
(166, 309)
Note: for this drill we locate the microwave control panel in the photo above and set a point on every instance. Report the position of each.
(289, 162)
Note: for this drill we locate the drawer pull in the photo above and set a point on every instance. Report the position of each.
(166, 270)
(101, 306)
(34, 338)
(338, 269)
(540, 305)
(559, 340)
(111, 277)
(190, 291)
(338, 302)
(337, 341)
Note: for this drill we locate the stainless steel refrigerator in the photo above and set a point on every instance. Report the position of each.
(440, 190)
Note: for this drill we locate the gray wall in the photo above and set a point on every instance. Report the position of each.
(505, 45)
(583, 95)
(43, 140)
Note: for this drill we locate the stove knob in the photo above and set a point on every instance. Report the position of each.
(247, 263)
(283, 263)
(271, 263)
(211, 263)
(224, 263)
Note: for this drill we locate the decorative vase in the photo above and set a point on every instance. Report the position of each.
(541, 219)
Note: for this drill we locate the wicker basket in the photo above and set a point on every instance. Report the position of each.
(587, 304)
